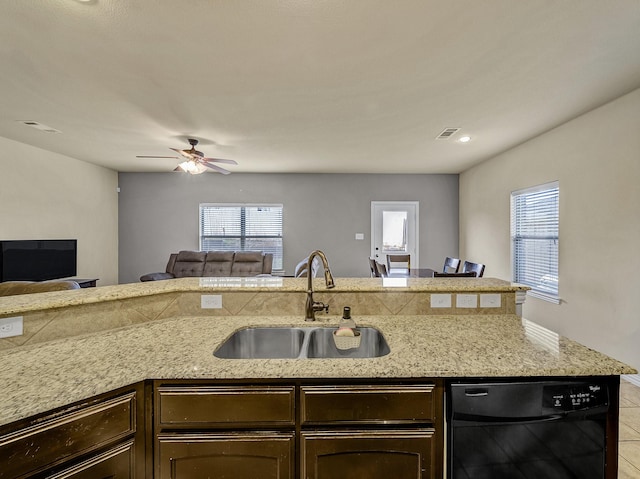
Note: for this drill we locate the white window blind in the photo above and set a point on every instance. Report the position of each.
(535, 237)
(226, 227)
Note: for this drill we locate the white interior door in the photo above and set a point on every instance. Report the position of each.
(394, 230)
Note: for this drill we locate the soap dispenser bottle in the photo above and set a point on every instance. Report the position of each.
(347, 322)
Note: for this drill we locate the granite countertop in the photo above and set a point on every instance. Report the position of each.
(34, 379)
(58, 299)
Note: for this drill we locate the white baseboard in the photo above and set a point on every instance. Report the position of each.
(632, 378)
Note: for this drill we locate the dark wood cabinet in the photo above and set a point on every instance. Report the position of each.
(224, 431)
(368, 404)
(404, 435)
(116, 463)
(99, 437)
(226, 455)
(371, 454)
(199, 429)
(298, 430)
(188, 406)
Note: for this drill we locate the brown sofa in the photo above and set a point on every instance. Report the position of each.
(214, 263)
(11, 288)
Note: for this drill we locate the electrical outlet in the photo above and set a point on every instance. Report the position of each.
(211, 301)
(466, 300)
(489, 300)
(11, 327)
(440, 300)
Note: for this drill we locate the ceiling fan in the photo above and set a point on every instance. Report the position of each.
(195, 161)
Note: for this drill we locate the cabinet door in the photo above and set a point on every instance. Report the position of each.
(367, 454)
(117, 463)
(225, 456)
(43, 443)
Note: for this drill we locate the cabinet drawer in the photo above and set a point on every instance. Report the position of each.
(223, 406)
(65, 436)
(367, 404)
(117, 463)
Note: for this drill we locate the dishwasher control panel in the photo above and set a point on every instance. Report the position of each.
(574, 397)
(505, 400)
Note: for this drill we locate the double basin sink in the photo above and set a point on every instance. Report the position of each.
(298, 343)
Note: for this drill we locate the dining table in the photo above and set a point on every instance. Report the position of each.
(411, 273)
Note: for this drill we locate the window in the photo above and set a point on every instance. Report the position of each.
(394, 230)
(534, 237)
(225, 227)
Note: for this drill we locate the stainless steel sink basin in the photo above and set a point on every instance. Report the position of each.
(262, 343)
(298, 342)
(322, 345)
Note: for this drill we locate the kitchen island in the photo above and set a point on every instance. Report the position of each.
(41, 377)
(164, 357)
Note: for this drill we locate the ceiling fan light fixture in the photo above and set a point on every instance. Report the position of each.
(194, 162)
(192, 167)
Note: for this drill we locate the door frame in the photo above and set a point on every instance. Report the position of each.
(409, 206)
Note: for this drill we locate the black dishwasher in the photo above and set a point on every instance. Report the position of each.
(528, 429)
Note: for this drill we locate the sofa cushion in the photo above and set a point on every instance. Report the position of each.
(218, 263)
(189, 263)
(247, 263)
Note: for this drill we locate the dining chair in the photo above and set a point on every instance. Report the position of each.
(372, 267)
(477, 267)
(399, 258)
(381, 270)
(300, 270)
(451, 265)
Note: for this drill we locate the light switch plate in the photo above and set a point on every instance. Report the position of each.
(489, 300)
(11, 327)
(359, 236)
(440, 300)
(466, 300)
(211, 301)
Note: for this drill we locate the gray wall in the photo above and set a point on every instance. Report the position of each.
(158, 215)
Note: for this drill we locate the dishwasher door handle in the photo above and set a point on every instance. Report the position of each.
(476, 392)
(469, 419)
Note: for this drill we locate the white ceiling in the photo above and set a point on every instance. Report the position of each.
(360, 86)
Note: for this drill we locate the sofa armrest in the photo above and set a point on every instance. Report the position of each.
(267, 264)
(156, 276)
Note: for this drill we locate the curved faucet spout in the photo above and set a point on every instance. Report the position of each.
(311, 305)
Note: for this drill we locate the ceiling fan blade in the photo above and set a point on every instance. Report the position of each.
(184, 153)
(220, 160)
(216, 168)
(174, 157)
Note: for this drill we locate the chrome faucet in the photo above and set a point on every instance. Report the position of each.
(313, 306)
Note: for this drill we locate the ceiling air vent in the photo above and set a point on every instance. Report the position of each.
(39, 126)
(447, 133)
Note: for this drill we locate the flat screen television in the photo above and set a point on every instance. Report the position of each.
(37, 260)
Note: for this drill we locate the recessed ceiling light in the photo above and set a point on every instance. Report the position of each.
(464, 139)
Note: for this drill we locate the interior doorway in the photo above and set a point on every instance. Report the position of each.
(394, 230)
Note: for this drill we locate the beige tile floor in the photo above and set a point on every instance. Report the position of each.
(629, 443)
